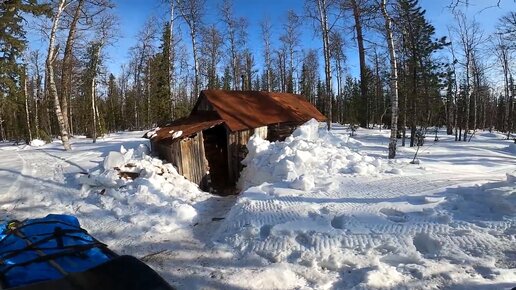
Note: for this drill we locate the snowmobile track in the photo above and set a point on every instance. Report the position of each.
(352, 205)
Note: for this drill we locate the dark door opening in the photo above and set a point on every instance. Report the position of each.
(216, 150)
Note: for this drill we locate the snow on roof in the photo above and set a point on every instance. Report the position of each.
(188, 126)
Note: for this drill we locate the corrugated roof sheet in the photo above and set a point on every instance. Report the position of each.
(188, 126)
(252, 109)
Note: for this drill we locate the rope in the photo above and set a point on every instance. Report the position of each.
(40, 253)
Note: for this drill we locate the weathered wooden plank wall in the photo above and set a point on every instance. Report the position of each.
(194, 165)
(187, 155)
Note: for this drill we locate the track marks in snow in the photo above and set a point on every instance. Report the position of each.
(407, 221)
(394, 215)
(426, 245)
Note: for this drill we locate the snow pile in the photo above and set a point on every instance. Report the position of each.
(143, 190)
(310, 154)
(492, 201)
(37, 143)
(308, 204)
(381, 234)
(449, 226)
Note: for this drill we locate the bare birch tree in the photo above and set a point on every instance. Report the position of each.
(503, 53)
(291, 38)
(192, 12)
(470, 37)
(212, 53)
(236, 34)
(141, 53)
(26, 99)
(34, 61)
(320, 10)
(266, 28)
(51, 57)
(455, 87)
(172, 56)
(66, 68)
(393, 81)
(338, 56)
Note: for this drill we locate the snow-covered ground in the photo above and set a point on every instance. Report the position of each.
(318, 211)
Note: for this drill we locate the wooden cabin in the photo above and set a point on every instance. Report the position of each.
(208, 146)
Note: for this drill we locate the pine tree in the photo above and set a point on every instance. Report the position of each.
(420, 81)
(309, 76)
(160, 81)
(114, 120)
(394, 81)
(12, 46)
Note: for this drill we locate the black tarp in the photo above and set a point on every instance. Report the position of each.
(120, 273)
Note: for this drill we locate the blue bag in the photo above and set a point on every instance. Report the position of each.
(47, 248)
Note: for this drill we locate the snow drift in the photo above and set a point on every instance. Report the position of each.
(143, 190)
(311, 153)
(37, 143)
(316, 204)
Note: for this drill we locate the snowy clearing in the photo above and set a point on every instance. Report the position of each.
(319, 211)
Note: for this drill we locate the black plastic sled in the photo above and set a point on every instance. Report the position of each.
(120, 273)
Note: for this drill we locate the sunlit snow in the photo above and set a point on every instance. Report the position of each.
(318, 211)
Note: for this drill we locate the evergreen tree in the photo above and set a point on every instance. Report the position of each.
(12, 45)
(227, 79)
(421, 83)
(309, 76)
(114, 120)
(160, 98)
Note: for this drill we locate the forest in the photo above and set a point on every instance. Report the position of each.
(410, 78)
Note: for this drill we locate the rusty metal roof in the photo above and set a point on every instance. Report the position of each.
(188, 126)
(242, 110)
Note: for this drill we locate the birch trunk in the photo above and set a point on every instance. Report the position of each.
(394, 82)
(468, 97)
(323, 18)
(148, 95)
(27, 119)
(455, 93)
(96, 56)
(52, 89)
(36, 108)
(196, 65)
(172, 58)
(510, 106)
(94, 113)
(66, 72)
(2, 130)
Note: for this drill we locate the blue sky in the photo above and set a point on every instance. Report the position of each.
(133, 13)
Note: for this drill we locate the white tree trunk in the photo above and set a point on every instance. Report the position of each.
(52, 89)
(36, 109)
(94, 113)
(96, 56)
(172, 58)
(394, 81)
(323, 18)
(27, 119)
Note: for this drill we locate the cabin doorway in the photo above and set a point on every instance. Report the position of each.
(216, 151)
